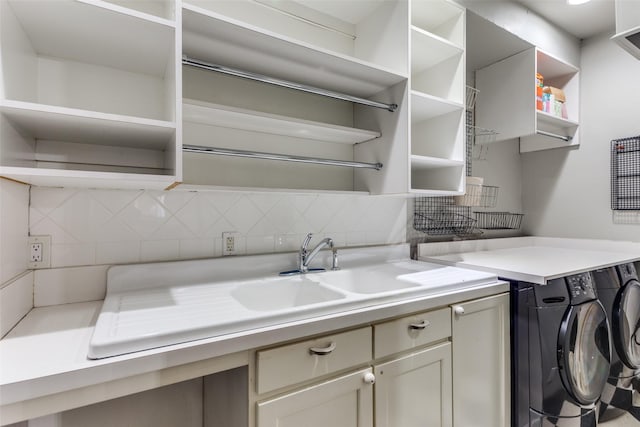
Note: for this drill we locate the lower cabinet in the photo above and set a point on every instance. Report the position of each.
(481, 362)
(346, 401)
(415, 390)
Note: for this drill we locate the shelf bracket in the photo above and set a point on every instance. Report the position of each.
(284, 83)
(283, 157)
(553, 135)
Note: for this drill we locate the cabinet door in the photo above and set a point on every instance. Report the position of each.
(346, 402)
(415, 390)
(481, 378)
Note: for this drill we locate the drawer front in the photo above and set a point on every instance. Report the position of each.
(411, 332)
(294, 363)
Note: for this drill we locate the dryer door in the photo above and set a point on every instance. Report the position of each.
(584, 355)
(626, 324)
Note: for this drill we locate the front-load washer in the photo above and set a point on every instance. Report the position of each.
(561, 352)
(619, 291)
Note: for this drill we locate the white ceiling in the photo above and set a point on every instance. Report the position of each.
(583, 21)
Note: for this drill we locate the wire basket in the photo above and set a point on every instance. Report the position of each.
(484, 196)
(441, 216)
(481, 135)
(498, 220)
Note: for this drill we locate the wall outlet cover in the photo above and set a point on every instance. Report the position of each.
(230, 242)
(39, 252)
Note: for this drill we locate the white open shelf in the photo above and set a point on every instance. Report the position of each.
(428, 50)
(87, 179)
(88, 93)
(426, 107)
(161, 11)
(88, 127)
(424, 162)
(444, 19)
(212, 37)
(506, 87)
(242, 119)
(552, 120)
(437, 38)
(126, 41)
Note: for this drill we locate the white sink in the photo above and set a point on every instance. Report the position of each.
(371, 280)
(153, 305)
(283, 294)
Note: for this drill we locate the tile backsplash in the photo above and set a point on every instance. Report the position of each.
(122, 226)
(14, 228)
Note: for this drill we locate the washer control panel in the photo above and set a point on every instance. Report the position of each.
(627, 272)
(581, 288)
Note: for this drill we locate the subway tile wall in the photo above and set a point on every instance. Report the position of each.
(91, 227)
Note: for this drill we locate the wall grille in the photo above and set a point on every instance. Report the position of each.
(625, 173)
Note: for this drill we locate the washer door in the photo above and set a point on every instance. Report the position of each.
(626, 324)
(584, 355)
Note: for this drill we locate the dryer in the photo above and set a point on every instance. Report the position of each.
(561, 352)
(619, 291)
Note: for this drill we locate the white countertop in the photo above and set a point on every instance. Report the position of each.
(45, 355)
(531, 259)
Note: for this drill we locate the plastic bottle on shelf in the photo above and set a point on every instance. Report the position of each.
(539, 85)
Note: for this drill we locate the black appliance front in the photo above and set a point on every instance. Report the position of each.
(619, 291)
(561, 353)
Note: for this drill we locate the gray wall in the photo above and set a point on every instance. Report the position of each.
(566, 193)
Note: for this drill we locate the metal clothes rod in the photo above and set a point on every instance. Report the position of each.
(283, 157)
(553, 135)
(285, 83)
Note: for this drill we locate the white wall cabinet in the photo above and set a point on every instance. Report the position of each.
(627, 28)
(507, 101)
(437, 96)
(98, 96)
(481, 368)
(88, 93)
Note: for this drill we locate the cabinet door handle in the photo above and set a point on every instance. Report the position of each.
(459, 310)
(419, 326)
(321, 351)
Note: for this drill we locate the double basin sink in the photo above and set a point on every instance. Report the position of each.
(320, 287)
(150, 306)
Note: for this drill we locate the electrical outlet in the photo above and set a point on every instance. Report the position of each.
(229, 243)
(39, 252)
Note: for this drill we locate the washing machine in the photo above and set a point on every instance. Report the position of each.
(560, 352)
(619, 291)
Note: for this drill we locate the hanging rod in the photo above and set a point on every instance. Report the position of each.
(271, 156)
(553, 135)
(285, 83)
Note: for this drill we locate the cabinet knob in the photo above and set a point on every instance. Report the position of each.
(369, 378)
(459, 310)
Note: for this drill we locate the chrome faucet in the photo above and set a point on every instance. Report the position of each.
(305, 256)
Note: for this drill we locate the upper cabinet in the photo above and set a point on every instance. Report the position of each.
(510, 103)
(437, 143)
(88, 93)
(304, 95)
(628, 26)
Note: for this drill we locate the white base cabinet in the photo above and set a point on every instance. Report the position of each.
(415, 390)
(345, 401)
(481, 363)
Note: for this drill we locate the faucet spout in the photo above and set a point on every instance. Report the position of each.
(323, 243)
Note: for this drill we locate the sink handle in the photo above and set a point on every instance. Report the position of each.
(322, 351)
(419, 326)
